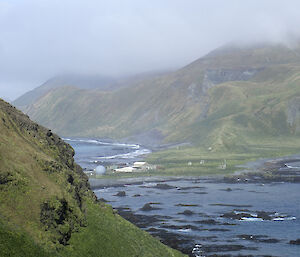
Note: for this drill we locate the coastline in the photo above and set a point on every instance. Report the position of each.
(97, 183)
(254, 171)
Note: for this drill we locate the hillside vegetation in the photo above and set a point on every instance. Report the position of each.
(235, 100)
(47, 207)
(80, 81)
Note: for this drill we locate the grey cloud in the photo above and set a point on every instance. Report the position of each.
(39, 39)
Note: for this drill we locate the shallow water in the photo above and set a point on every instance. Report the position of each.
(205, 227)
(211, 201)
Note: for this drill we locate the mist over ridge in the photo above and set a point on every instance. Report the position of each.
(119, 38)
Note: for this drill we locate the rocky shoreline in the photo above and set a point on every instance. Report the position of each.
(210, 246)
(267, 171)
(184, 243)
(263, 172)
(260, 171)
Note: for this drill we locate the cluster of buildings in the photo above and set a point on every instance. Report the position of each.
(122, 168)
(136, 167)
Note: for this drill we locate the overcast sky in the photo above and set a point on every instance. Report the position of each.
(42, 38)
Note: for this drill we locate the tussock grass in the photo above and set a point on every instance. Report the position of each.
(47, 208)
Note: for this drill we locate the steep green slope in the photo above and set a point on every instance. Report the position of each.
(80, 81)
(46, 205)
(231, 96)
(241, 112)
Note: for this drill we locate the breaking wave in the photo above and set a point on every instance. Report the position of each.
(98, 142)
(130, 155)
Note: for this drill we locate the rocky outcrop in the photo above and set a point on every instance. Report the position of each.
(47, 207)
(217, 76)
(293, 114)
(295, 242)
(214, 77)
(121, 194)
(62, 219)
(60, 216)
(148, 207)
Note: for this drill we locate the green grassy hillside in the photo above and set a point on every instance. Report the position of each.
(47, 207)
(80, 81)
(233, 96)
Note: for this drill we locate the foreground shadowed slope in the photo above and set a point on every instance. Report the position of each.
(47, 207)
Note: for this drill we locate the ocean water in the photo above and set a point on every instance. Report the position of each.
(89, 153)
(206, 230)
(210, 201)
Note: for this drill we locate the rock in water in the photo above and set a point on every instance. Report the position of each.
(121, 193)
(295, 242)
